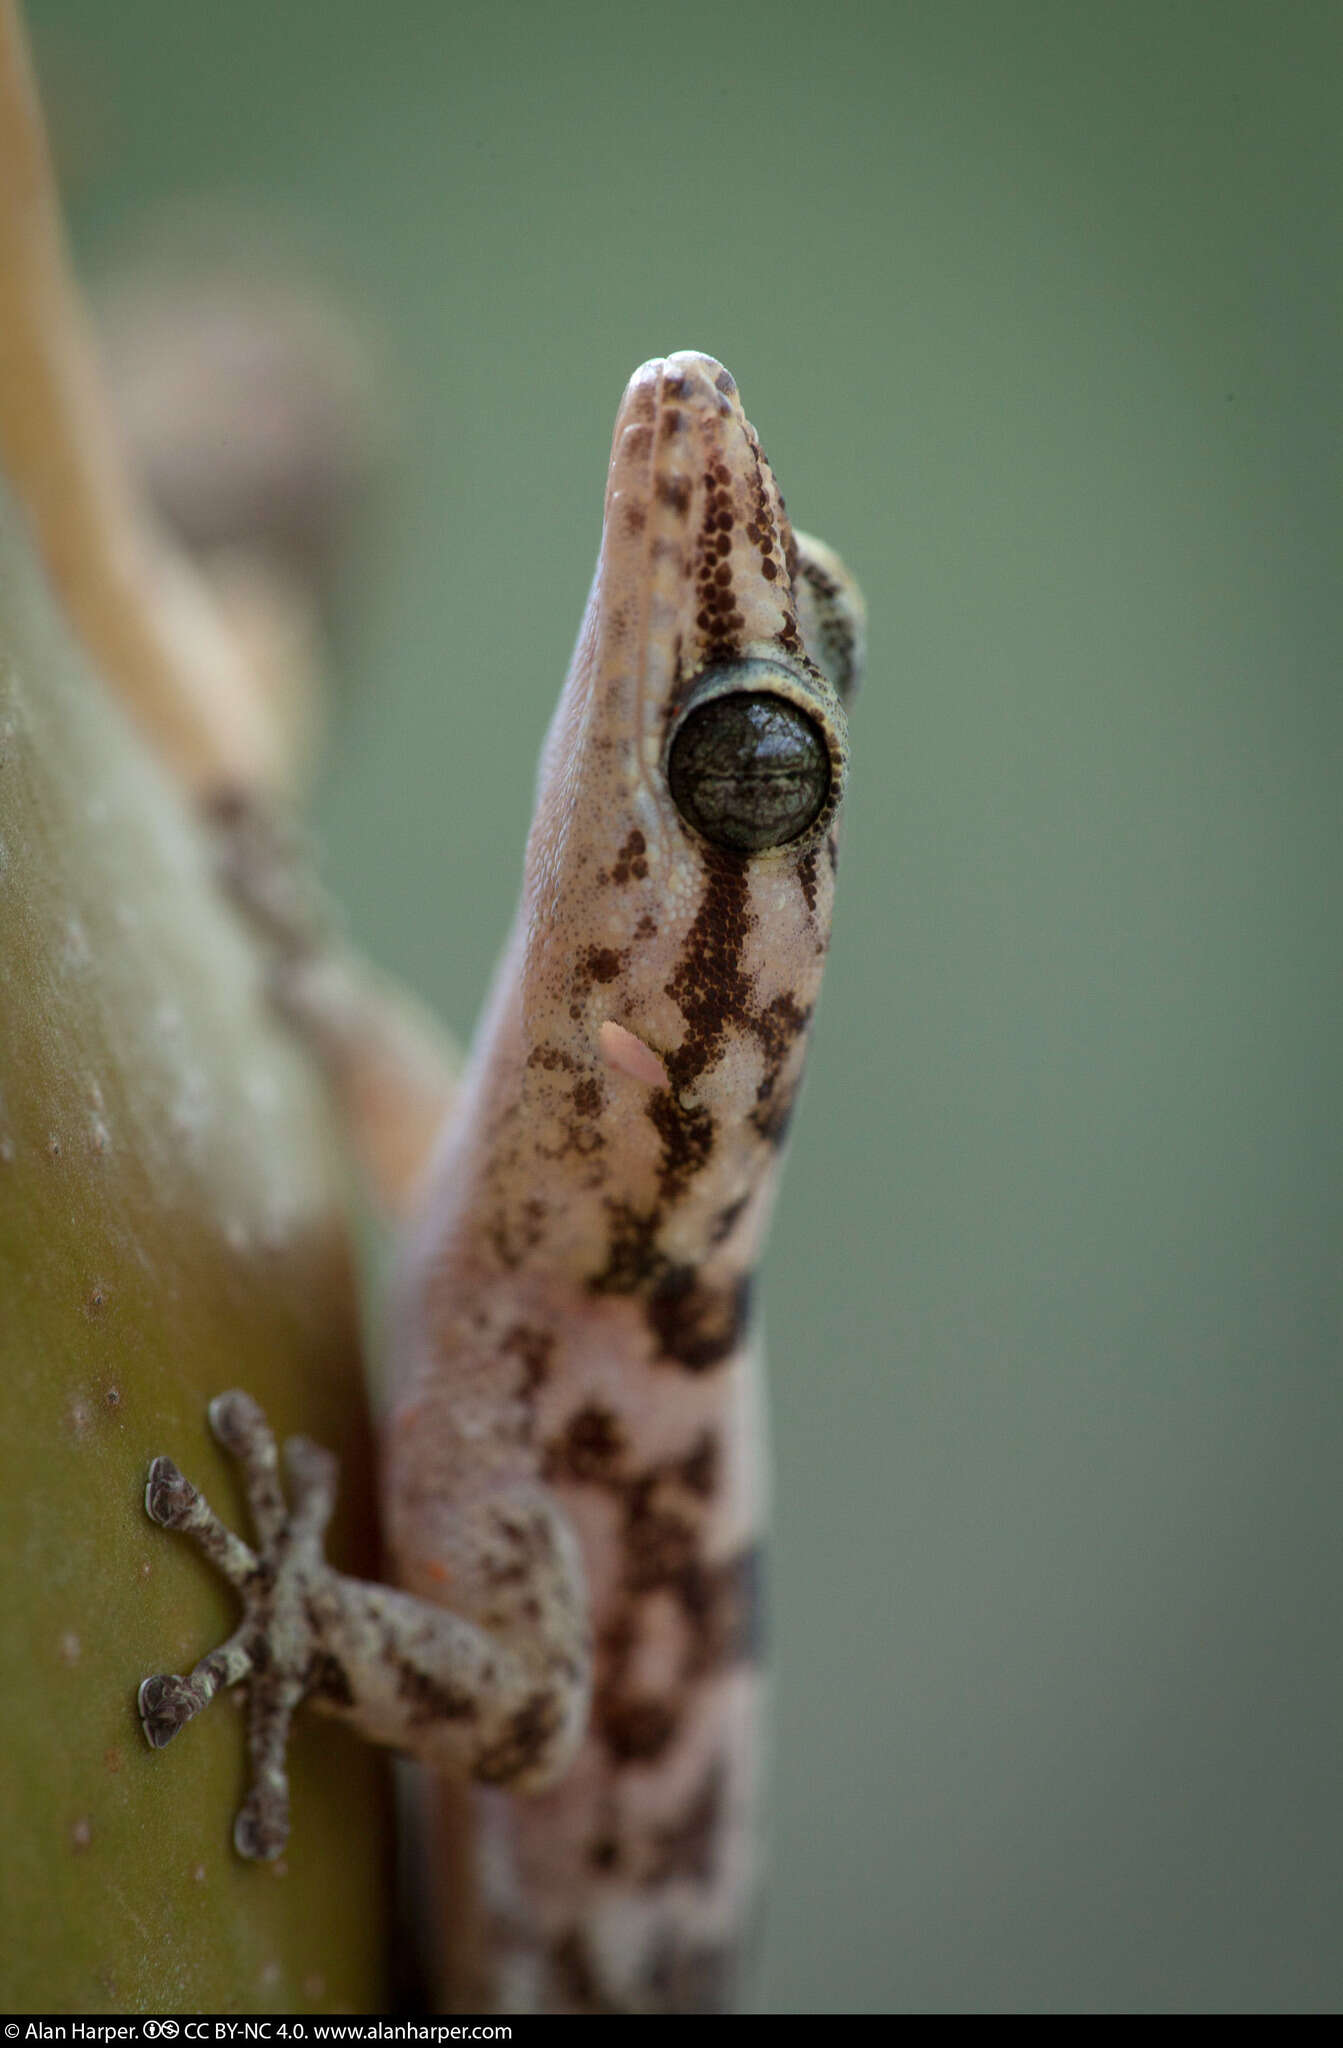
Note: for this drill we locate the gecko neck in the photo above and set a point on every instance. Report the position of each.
(567, 1172)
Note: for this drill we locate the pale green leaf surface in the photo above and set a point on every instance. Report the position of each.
(172, 1222)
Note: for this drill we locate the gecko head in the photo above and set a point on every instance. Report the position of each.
(701, 737)
(702, 644)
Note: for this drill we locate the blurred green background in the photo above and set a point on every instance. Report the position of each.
(1037, 308)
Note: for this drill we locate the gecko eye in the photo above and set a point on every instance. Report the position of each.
(749, 771)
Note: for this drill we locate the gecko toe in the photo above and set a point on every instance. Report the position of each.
(166, 1704)
(169, 1497)
(313, 1474)
(237, 1421)
(240, 1426)
(261, 1827)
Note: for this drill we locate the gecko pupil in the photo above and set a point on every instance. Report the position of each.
(749, 771)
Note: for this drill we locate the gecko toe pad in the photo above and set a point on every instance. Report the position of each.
(166, 1703)
(168, 1496)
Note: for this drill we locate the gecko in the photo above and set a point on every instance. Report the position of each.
(573, 1465)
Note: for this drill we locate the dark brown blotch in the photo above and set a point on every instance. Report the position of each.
(526, 1548)
(660, 1546)
(725, 1222)
(779, 1024)
(688, 1847)
(674, 491)
(773, 1115)
(528, 1735)
(590, 1446)
(327, 1679)
(632, 1254)
(636, 1728)
(588, 1096)
(513, 1235)
(428, 1699)
(777, 1027)
(699, 1468)
(709, 986)
(535, 1349)
(630, 859)
(687, 1141)
(638, 438)
(806, 875)
(723, 1606)
(601, 963)
(698, 1323)
(549, 1057)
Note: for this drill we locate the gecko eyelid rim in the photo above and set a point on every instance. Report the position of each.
(755, 759)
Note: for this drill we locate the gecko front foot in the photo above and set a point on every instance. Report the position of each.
(279, 1648)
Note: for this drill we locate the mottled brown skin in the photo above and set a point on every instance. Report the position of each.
(574, 1477)
(622, 1222)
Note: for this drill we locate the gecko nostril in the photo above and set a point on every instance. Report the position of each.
(749, 771)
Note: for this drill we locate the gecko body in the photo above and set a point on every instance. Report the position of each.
(573, 1475)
